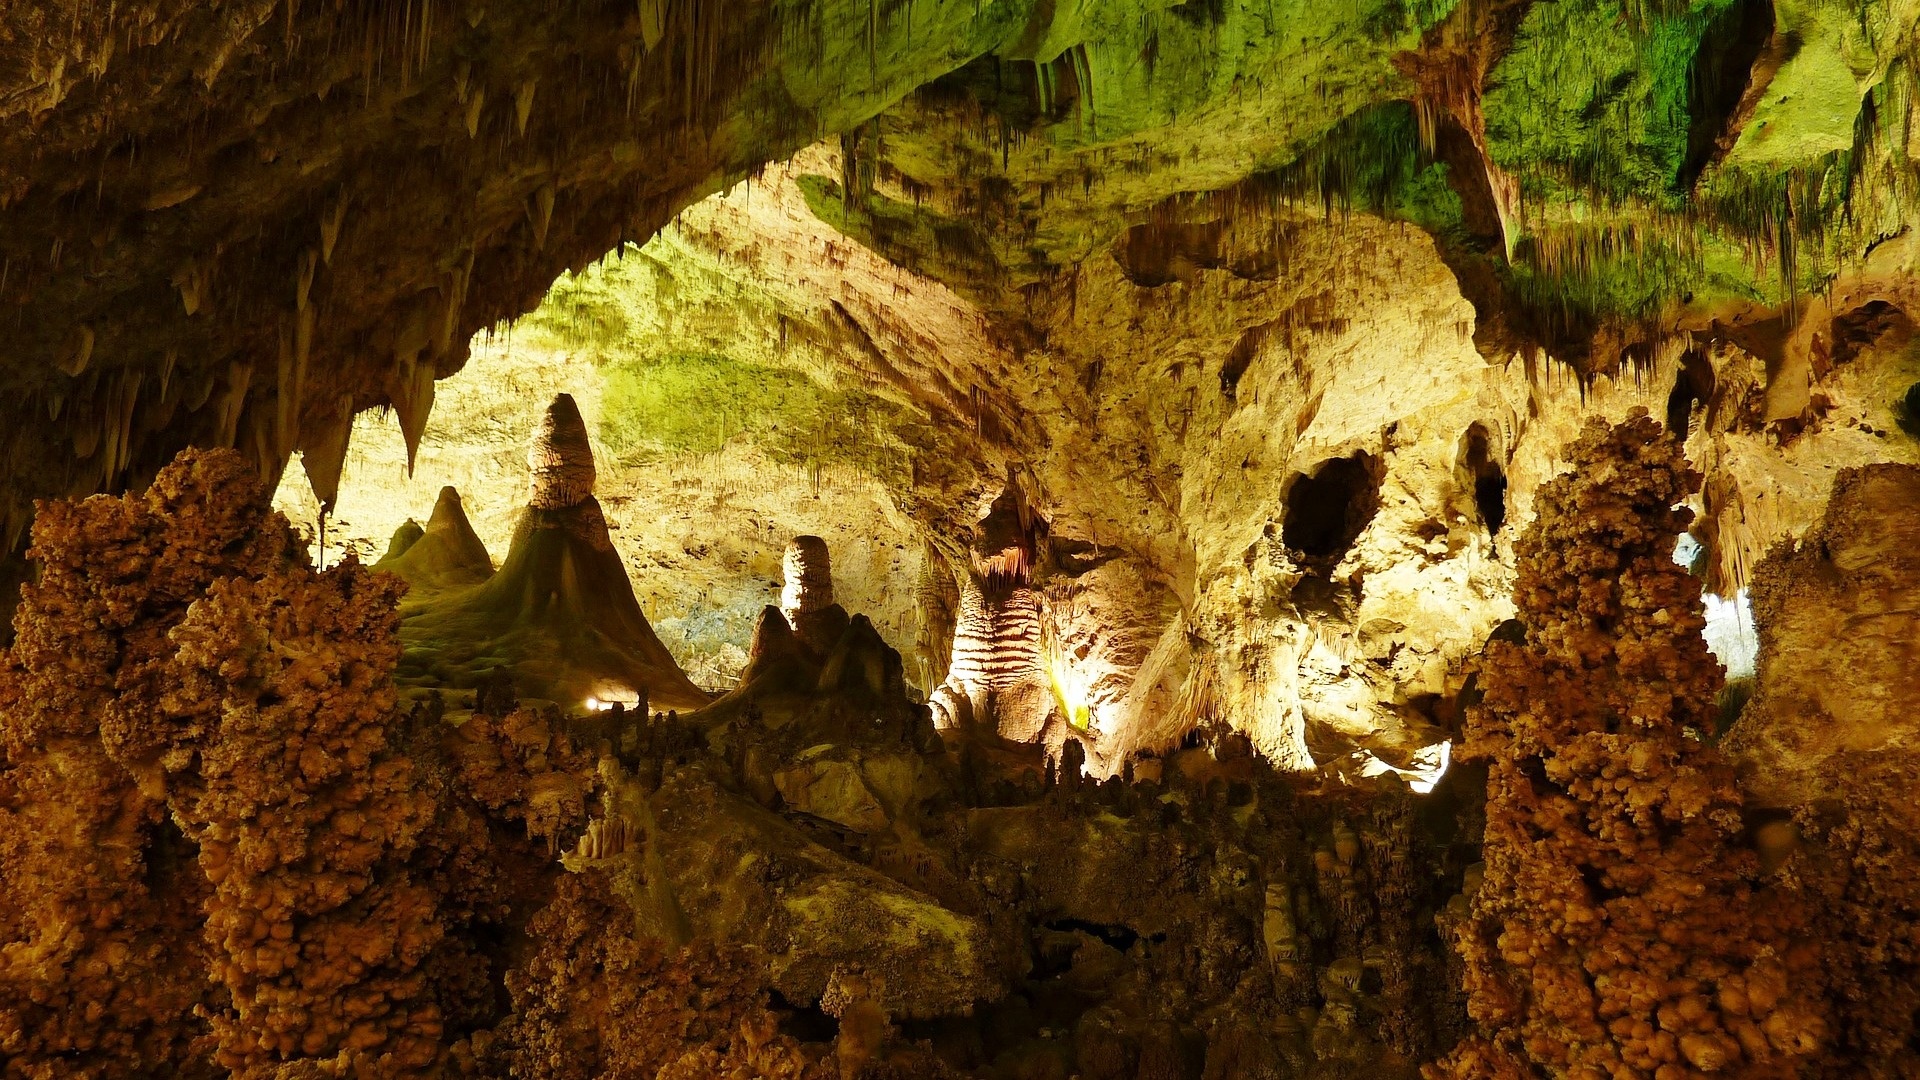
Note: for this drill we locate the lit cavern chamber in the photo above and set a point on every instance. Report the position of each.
(957, 540)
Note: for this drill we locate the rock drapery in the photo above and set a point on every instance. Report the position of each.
(997, 675)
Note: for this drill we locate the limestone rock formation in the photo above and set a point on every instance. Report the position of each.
(559, 617)
(806, 594)
(445, 554)
(1829, 737)
(306, 809)
(597, 1000)
(1839, 661)
(1620, 926)
(997, 677)
(101, 962)
(560, 470)
(828, 912)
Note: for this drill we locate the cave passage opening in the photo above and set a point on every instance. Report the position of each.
(1330, 507)
(1692, 389)
(1489, 480)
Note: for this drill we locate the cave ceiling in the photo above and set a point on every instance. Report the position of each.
(240, 223)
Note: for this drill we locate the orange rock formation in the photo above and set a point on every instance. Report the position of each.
(1621, 929)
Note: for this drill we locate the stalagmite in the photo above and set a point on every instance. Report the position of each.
(447, 553)
(997, 663)
(806, 597)
(560, 470)
(560, 613)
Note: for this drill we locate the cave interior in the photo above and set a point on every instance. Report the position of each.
(973, 539)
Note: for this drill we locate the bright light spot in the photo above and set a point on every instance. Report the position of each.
(1428, 766)
(607, 699)
(1429, 776)
(1070, 691)
(1686, 549)
(1730, 633)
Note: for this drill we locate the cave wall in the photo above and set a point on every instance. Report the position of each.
(700, 528)
(1161, 405)
(235, 224)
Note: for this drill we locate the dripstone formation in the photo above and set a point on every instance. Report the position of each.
(559, 618)
(806, 594)
(1621, 927)
(223, 822)
(997, 677)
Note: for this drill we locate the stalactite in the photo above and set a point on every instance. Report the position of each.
(323, 451)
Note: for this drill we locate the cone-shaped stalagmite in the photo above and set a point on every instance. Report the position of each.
(560, 470)
(446, 554)
(559, 617)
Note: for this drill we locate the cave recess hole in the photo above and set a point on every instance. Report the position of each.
(1481, 467)
(1692, 390)
(1329, 508)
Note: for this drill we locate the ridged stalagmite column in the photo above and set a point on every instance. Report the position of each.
(809, 577)
(806, 597)
(998, 676)
(560, 461)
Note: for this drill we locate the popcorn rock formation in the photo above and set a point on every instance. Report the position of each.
(1620, 928)
(101, 966)
(306, 810)
(1830, 737)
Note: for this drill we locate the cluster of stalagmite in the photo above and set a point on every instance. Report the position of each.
(225, 853)
(306, 810)
(599, 1000)
(559, 618)
(1621, 929)
(446, 553)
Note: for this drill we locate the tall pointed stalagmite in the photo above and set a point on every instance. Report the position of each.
(560, 616)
